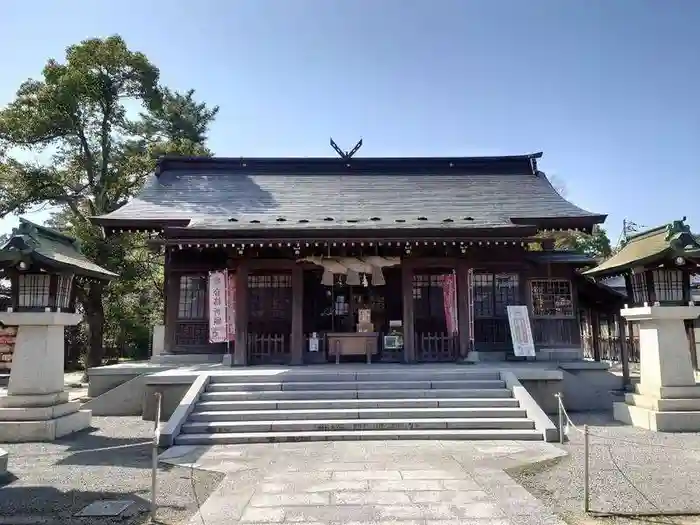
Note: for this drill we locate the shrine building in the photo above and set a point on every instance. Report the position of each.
(370, 259)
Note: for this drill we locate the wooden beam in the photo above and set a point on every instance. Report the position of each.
(409, 350)
(297, 337)
(240, 352)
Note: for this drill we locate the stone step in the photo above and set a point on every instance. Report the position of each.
(229, 438)
(353, 376)
(281, 395)
(323, 404)
(355, 413)
(354, 385)
(210, 427)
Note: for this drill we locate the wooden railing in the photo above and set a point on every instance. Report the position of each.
(610, 348)
(492, 332)
(436, 347)
(268, 349)
(556, 331)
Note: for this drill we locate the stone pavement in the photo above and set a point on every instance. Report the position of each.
(366, 482)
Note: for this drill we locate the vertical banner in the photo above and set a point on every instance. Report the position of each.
(231, 306)
(217, 307)
(449, 296)
(521, 331)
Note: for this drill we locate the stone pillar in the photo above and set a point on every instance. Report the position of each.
(158, 345)
(36, 407)
(667, 397)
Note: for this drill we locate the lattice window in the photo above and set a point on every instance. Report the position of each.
(668, 285)
(639, 288)
(270, 296)
(552, 298)
(34, 290)
(494, 292)
(192, 301)
(428, 302)
(63, 291)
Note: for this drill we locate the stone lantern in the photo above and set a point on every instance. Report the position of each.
(657, 265)
(42, 266)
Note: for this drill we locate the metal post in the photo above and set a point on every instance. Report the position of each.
(154, 459)
(586, 495)
(561, 419)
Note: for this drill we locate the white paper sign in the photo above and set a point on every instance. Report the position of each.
(313, 343)
(520, 331)
(217, 307)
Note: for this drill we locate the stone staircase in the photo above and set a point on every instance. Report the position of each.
(375, 404)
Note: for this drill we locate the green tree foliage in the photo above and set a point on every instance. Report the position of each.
(596, 244)
(101, 118)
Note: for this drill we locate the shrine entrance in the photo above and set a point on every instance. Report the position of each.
(351, 321)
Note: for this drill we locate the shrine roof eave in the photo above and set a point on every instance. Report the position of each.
(9, 259)
(667, 256)
(47, 248)
(514, 232)
(137, 225)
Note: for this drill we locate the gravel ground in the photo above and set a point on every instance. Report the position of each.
(631, 471)
(51, 482)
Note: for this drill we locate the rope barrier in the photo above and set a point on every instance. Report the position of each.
(82, 451)
(566, 423)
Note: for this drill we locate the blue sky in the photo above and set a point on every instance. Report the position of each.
(607, 89)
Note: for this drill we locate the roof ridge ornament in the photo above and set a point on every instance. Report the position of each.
(676, 228)
(346, 155)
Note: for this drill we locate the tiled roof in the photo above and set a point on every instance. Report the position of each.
(649, 247)
(51, 248)
(239, 194)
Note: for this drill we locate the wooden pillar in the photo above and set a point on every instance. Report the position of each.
(463, 313)
(409, 336)
(297, 336)
(172, 297)
(240, 352)
(595, 329)
(624, 351)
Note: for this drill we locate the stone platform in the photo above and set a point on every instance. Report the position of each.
(40, 417)
(668, 397)
(667, 409)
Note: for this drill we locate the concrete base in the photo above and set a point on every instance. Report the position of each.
(656, 420)
(43, 429)
(667, 398)
(668, 409)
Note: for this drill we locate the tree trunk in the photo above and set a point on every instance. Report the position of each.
(95, 318)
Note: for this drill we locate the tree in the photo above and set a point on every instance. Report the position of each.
(596, 244)
(81, 113)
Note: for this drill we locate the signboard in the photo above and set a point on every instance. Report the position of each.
(8, 335)
(313, 342)
(449, 296)
(231, 306)
(520, 331)
(217, 307)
